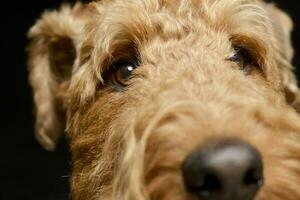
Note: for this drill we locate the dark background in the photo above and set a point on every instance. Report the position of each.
(27, 172)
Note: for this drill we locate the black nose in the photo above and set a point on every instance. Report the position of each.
(226, 170)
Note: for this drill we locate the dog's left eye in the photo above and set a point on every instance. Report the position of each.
(243, 58)
(121, 73)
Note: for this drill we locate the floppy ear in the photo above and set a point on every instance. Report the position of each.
(283, 26)
(52, 52)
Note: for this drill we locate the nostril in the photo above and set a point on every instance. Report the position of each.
(253, 177)
(210, 184)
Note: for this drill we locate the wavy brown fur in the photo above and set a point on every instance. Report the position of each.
(130, 145)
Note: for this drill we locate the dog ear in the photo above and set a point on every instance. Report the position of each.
(283, 26)
(52, 53)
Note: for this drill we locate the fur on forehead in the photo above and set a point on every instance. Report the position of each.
(112, 27)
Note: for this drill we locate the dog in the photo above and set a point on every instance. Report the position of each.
(170, 99)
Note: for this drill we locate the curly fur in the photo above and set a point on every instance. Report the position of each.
(130, 145)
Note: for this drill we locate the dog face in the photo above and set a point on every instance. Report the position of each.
(153, 90)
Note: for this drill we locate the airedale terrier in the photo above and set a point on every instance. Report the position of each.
(170, 99)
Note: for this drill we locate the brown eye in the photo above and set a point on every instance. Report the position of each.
(121, 73)
(243, 58)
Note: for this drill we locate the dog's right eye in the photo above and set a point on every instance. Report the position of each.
(243, 58)
(121, 72)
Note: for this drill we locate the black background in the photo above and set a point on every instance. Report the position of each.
(27, 172)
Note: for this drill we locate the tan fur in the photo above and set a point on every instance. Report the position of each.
(130, 144)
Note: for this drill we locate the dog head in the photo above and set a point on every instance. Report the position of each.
(148, 89)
